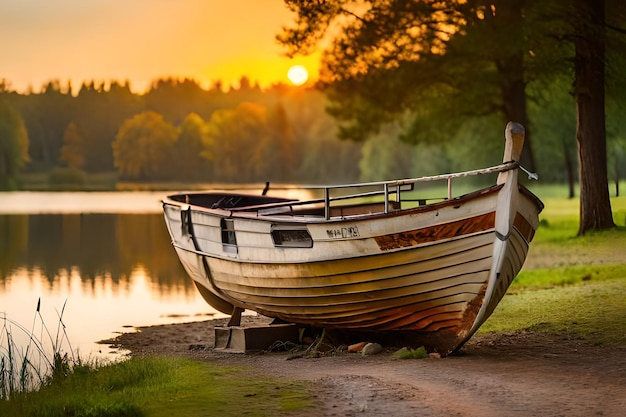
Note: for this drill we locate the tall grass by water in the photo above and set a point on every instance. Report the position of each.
(31, 357)
(40, 375)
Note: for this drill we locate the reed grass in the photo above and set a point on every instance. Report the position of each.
(45, 356)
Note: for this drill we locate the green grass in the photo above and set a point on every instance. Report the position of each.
(407, 353)
(569, 284)
(548, 278)
(557, 246)
(595, 311)
(159, 386)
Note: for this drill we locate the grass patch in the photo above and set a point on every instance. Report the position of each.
(158, 386)
(407, 353)
(557, 246)
(569, 284)
(551, 277)
(596, 311)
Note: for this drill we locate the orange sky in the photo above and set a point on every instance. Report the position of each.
(141, 40)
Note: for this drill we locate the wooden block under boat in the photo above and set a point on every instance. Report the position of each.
(239, 339)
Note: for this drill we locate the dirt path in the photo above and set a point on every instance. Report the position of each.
(523, 374)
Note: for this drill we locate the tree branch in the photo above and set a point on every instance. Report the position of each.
(616, 29)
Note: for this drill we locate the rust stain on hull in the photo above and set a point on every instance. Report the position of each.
(439, 232)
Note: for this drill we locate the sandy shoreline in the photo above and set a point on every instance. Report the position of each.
(521, 374)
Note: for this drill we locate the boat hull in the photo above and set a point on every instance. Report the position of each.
(430, 275)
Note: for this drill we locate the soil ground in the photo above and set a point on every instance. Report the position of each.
(520, 374)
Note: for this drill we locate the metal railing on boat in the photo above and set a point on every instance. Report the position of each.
(396, 186)
(386, 189)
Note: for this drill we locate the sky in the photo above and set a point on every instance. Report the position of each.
(143, 40)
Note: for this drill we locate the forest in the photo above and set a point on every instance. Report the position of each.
(179, 132)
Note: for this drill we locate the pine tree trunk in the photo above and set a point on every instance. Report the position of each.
(595, 205)
(569, 166)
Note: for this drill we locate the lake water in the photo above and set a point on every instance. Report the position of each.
(103, 260)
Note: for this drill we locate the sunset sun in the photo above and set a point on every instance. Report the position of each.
(298, 75)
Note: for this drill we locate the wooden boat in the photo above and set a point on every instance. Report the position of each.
(374, 261)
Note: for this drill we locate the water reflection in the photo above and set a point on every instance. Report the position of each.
(92, 245)
(114, 270)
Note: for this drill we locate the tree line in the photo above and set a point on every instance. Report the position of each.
(178, 131)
